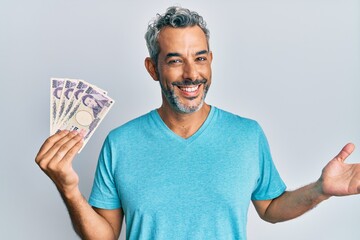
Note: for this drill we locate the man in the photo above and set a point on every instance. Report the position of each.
(187, 170)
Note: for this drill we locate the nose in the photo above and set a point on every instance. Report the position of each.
(190, 71)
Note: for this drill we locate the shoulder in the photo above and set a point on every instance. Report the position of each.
(237, 130)
(131, 127)
(233, 120)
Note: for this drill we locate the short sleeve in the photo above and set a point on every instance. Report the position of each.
(104, 192)
(269, 184)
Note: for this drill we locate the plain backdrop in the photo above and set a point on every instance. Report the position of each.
(294, 66)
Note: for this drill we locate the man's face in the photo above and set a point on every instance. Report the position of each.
(184, 68)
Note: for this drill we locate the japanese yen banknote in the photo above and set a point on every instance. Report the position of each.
(77, 105)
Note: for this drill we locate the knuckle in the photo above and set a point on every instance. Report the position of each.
(63, 149)
(72, 152)
(43, 165)
(52, 167)
(58, 144)
(59, 155)
(37, 159)
(62, 142)
(48, 140)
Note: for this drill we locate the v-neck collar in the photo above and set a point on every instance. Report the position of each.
(173, 136)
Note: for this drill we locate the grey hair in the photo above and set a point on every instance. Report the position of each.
(173, 17)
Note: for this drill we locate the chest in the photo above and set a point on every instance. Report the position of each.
(162, 179)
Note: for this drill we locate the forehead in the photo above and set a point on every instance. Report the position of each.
(182, 40)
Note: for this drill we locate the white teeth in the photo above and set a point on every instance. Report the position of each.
(189, 89)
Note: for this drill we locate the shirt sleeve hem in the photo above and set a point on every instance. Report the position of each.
(273, 195)
(103, 205)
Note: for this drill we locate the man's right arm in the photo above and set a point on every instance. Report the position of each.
(55, 159)
(93, 223)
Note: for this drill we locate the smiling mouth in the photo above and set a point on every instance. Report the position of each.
(189, 89)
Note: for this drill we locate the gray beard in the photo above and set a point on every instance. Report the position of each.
(175, 103)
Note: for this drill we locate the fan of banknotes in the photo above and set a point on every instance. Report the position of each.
(77, 105)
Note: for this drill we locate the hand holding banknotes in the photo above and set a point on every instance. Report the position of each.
(76, 109)
(55, 159)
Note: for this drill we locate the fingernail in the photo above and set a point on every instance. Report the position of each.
(75, 132)
(82, 132)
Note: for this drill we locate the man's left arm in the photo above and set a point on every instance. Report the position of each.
(337, 179)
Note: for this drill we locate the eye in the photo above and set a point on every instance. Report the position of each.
(174, 61)
(201, 59)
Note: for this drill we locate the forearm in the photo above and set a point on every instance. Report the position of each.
(292, 204)
(87, 223)
(55, 159)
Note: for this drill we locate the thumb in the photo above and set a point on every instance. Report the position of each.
(345, 152)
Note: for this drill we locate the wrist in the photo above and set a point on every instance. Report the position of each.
(320, 190)
(71, 194)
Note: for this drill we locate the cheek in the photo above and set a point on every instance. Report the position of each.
(169, 77)
(205, 72)
(171, 72)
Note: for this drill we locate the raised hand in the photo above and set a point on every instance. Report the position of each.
(339, 178)
(55, 159)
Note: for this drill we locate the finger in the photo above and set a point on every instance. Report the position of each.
(68, 151)
(49, 142)
(345, 152)
(68, 157)
(47, 157)
(60, 148)
(50, 156)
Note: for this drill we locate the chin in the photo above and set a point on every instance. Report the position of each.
(189, 109)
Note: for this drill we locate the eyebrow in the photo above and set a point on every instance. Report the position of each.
(202, 52)
(172, 54)
(175, 54)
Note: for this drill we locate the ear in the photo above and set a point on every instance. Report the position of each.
(210, 56)
(151, 68)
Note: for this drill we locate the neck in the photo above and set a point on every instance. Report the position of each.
(184, 124)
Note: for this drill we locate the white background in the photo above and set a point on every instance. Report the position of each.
(294, 66)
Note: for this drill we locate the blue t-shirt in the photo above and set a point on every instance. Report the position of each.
(195, 188)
